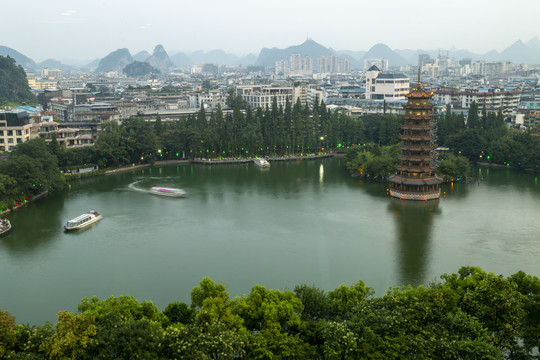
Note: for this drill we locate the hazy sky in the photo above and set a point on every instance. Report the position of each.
(89, 29)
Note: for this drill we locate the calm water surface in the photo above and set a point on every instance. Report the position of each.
(303, 222)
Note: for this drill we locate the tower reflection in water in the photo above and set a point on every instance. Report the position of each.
(414, 222)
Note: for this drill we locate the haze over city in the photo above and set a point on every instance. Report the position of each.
(64, 29)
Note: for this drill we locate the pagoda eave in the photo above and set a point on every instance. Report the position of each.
(397, 179)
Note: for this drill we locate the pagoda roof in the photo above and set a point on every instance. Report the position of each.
(395, 178)
(373, 68)
(419, 91)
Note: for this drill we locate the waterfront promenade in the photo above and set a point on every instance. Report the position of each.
(204, 161)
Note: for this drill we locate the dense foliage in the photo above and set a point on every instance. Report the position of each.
(469, 315)
(29, 170)
(378, 162)
(486, 138)
(288, 131)
(372, 161)
(13, 83)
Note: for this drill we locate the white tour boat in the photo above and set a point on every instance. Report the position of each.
(83, 220)
(261, 162)
(163, 191)
(5, 226)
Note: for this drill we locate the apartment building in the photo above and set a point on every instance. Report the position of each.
(263, 95)
(494, 99)
(15, 128)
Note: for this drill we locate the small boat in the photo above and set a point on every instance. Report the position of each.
(261, 162)
(163, 191)
(5, 226)
(83, 220)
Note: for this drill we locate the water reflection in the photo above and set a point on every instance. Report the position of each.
(414, 220)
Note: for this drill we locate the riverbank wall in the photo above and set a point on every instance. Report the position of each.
(7, 211)
(217, 162)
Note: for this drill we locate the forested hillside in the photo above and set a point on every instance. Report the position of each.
(14, 87)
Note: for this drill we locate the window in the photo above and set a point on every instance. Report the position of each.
(19, 140)
(10, 132)
(10, 141)
(18, 132)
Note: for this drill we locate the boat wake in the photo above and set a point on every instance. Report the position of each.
(156, 190)
(134, 186)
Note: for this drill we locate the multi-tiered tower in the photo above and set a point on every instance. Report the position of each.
(415, 178)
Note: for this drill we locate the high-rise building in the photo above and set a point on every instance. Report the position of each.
(381, 63)
(423, 59)
(281, 67)
(301, 65)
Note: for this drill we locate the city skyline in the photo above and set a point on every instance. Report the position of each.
(64, 29)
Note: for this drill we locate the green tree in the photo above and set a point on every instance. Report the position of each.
(454, 167)
(345, 298)
(74, 335)
(494, 301)
(13, 83)
(179, 312)
(473, 120)
(7, 332)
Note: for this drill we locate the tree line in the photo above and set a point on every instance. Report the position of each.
(486, 138)
(276, 131)
(483, 138)
(470, 314)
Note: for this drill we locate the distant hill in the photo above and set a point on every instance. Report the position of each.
(518, 53)
(215, 56)
(181, 60)
(20, 59)
(268, 57)
(91, 66)
(139, 68)
(115, 61)
(55, 64)
(382, 51)
(521, 53)
(247, 60)
(13, 83)
(141, 56)
(160, 59)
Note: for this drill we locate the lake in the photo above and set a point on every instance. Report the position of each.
(298, 222)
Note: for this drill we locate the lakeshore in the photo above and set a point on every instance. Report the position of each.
(222, 161)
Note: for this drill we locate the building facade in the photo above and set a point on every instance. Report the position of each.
(385, 86)
(494, 99)
(263, 95)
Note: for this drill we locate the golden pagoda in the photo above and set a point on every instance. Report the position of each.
(415, 178)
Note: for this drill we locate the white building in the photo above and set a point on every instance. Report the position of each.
(51, 73)
(281, 68)
(263, 95)
(301, 65)
(210, 99)
(386, 86)
(493, 99)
